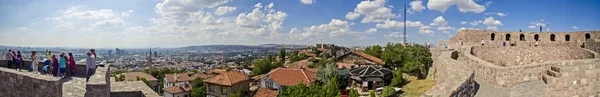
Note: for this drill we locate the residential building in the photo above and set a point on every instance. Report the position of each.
(134, 76)
(357, 57)
(280, 78)
(176, 80)
(227, 83)
(177, 91)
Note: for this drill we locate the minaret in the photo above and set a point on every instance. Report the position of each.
(150, 61)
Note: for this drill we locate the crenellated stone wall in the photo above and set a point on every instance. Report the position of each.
(14, 83)
(453, 78)
(474, 37)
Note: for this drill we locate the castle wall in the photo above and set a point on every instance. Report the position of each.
(474, 37)
(508, 76)
(99, 83)
(518, 56)
(15, 83)
(453, 78)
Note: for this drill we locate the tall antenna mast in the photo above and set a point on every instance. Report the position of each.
(404, 22)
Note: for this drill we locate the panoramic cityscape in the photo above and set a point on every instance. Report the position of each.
(300, 48)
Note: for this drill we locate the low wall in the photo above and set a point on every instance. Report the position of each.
(131, 89)
(453, 78)
(99, 83)
(508, 76)
(79, 68)
(518, 56)
(593, 45)
(15, 83)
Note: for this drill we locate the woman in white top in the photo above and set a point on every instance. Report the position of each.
(34, 62)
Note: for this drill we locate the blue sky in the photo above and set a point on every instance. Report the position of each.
(176, 23)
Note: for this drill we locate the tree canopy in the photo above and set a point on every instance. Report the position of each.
(414, 60)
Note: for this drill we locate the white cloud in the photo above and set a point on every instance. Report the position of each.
(463, 28)
(352, 15)
(224, 10)
(575, 27)
(180, 10)
(445, 29)
(417, 5)
(73, 13)
(334, 29)
(463, 5)
(497, 13)
(489, 3)
(475, 23)
(62, 25)
(536, 24)
(491, 23)
(425, 30)
(111, 23)
(374, 11)
(371, 31)
(394, 35)
(307, 1)
(252, 20)
(438, 21)
(389, 24)
(463, 22)
(127, 13)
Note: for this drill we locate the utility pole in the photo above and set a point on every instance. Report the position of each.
(404, 22)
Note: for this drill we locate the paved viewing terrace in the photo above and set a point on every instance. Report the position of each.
(27, 84)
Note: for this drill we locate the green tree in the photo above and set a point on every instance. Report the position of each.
(353, 93)
(393, 55)
(375, 50)
(397, 80)
(332, 88)
(414, 60)
(388, 91)
(198, 89)
(282, 54)
(295, 91)
(371, 93)
(326, 73)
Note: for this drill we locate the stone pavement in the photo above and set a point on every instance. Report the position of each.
(535, 88)
(73, 87)
(487, 90)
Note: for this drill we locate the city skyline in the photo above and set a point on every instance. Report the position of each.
(171, 23)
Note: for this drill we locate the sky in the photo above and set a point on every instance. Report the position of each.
(180, 23)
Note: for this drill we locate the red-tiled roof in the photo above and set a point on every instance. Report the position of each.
(369, 57)
(132, 76)
(266, 92)
(299, 64)
(200, 75)
(291, 77)
(177, 77)
(228, 78)
(178, 89)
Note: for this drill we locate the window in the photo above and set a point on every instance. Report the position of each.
(536, 37)
(567, 38)
(493, 35)
(552, 37)
(507, 37)
(587, 36)
(208, 88)
(223, 90)
(522, 37)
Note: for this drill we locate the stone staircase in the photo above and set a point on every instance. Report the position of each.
(573, 79)
(551, 74)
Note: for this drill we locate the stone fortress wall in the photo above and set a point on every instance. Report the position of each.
(24, 84)
(453, 79)
(18, 84)
(497, 38)
(518, 56)
(567, 69)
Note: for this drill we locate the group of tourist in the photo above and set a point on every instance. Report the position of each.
(63, 66)
(14, 59)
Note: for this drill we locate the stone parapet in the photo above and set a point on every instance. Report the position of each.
(508, 76)
(453, 78)
(15, 83)
(99, 83)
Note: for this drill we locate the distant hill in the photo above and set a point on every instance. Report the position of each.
(229, 48)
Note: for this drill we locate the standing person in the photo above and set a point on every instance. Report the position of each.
(48, 55)
(34, 62)
(482, 42)
(62, 65)
(19, 61)
(9, 58)
(460, 42)
(90, 64)
(54, 65)
(94, 53)
(71, 67)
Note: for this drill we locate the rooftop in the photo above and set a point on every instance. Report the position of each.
(228, 78)
(292, 76)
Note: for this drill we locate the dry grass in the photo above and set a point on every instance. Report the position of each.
(416, 87)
